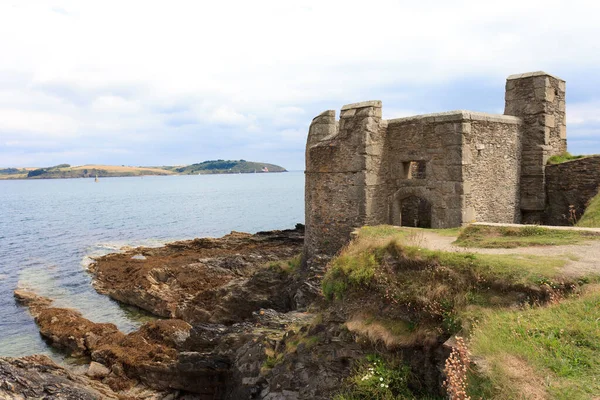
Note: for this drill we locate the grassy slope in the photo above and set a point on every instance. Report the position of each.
(553, 351)
(87, 171)
(561, 158)
(228, 166)
(591, 217)
(400, 294)
(511, 237)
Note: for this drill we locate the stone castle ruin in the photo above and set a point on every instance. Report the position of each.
(443, 170)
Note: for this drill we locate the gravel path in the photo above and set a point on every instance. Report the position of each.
(581, 258)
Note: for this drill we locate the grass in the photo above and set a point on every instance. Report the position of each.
(357, 265)
(563, 157)
(389, 231)
(288, 266)
(533, 333)
(516, 269)
(375, 378)
(591, 216)
(391, 332)
(552, 350)
(511, 237)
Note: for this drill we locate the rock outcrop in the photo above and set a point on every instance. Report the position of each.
(38, 377)
(204, 280)
(232, 331)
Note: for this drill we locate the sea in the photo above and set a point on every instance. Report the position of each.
(50, 231)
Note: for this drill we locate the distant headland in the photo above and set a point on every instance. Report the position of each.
(92, 171)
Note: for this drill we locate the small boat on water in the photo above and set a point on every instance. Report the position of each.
(96, 180)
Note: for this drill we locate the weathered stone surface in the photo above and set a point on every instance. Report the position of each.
(203, 280)
(538, 98)
(572, 183)
(361, 170)
(97, 371)
(38, 377)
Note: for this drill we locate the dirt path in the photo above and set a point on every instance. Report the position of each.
(581, 258)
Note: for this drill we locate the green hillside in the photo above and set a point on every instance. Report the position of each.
(591, 217)
(90, 171)
(229, 167)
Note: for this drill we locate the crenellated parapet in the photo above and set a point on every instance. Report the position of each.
(338, 156)
(436, 170)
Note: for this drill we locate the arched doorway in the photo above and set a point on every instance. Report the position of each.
(416, 212)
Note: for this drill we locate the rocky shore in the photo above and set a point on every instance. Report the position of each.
(230, 328)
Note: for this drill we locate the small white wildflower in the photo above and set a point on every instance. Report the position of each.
(380, 379)
(387, 386)
(382, 385)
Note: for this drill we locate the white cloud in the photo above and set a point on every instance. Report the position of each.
(115, 104)
(109, 68)
(583, 113)
(42, 123)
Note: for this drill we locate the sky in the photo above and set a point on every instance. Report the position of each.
(175, 82)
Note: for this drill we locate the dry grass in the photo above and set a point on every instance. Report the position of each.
(512, 237)
(591, 216)
(121, 169)
(548, 352)
(393, 333)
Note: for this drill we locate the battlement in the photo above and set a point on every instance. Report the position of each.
(435, 170)
(457, 115)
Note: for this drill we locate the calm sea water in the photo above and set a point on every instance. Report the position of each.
(50, 228)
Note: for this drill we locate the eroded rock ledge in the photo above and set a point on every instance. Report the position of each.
(205, 280)
(229, 304)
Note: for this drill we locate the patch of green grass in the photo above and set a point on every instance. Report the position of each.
(390, 231)
(377, 379)
(591, 216)
(349, 270)
(515, 268)
(379, 231)
(556, 346)
(356, 268)
(290, 266)
(272, 360)
(563, 157)
(510, 237)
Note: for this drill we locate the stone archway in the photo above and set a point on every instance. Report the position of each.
(413, 206)
(415, 211)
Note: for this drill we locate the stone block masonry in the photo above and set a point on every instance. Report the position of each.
(538, 99)
(438, 170)
(573, 183)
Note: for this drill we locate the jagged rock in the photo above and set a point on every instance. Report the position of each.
(218, 281)
(97, 371)
(38, 377)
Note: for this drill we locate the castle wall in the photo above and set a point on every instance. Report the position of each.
(539, 99)
(436, 141)
(570, 183)
(336, 174)
(442, 170)
(492, 168)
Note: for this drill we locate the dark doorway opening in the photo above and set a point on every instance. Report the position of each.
(415, 212)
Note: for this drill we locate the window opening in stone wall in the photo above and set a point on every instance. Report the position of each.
(414, 169)
(416, 212)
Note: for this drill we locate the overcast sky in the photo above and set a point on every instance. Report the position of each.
(177, 82)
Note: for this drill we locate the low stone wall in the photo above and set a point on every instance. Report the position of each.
(570, 183)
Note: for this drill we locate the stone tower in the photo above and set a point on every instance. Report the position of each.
(538, 99)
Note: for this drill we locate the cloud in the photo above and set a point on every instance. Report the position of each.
(583, 113)
(39, 123)
(232, 75)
